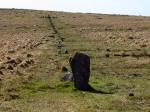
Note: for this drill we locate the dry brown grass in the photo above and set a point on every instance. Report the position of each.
(36, 87)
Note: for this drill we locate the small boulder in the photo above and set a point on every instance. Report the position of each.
(18, 60)
(2, 67)
(98, 49)
(143, 45)
(14, 96)
(8, 58)
(64, 69)
(131, 94)
(67, 77)
(107, 55)
(34, 30)
(63, 51)
(23, 65)
(108, 50)
(29, 55)
(51, 36)
(11, 51)
(30, 61)
(10, 67)
(34, 25)
(12, 61)
(129, 29)
(131, 38)
(1, 73)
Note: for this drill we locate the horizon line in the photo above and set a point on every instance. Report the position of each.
(83, 12)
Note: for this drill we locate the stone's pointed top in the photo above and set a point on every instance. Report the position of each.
(80, 54)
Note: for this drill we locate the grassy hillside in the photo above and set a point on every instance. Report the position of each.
(35, 45)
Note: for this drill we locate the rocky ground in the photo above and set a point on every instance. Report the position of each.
(36, 45)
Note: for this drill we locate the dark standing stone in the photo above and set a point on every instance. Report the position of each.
(80, 65)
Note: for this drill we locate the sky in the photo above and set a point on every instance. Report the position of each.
(125, 7)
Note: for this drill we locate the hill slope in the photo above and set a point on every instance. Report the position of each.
(35, 45)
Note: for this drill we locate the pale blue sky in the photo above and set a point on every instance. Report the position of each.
(130, 7)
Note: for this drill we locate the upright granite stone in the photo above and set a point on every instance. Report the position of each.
(80, 65)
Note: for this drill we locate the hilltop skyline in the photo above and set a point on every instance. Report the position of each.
(127, 7)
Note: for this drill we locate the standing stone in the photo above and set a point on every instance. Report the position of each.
(80, 65)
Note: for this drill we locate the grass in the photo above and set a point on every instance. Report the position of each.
(40, 89)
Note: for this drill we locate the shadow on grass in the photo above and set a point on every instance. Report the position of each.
(105, 89)
(93, 90)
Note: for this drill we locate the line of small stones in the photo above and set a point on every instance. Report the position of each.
(60, 39)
